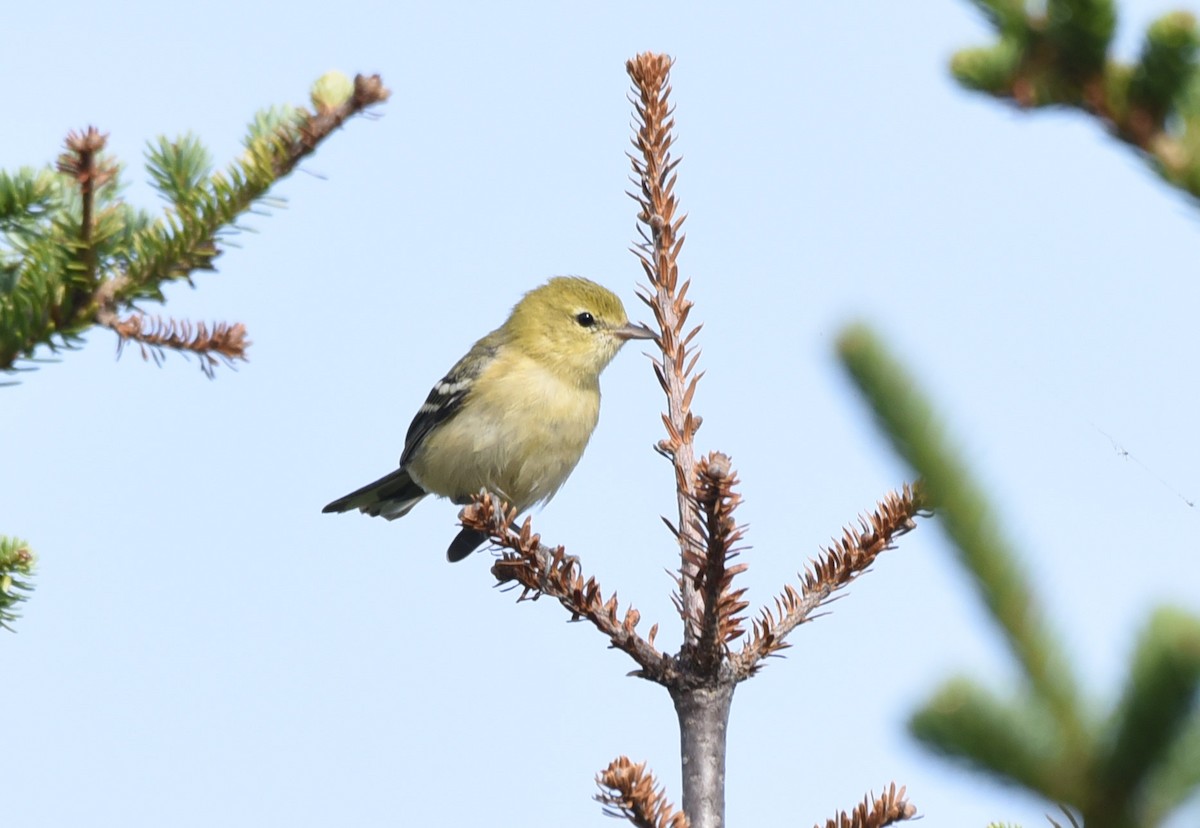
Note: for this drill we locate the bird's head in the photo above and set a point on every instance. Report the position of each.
(574, 326)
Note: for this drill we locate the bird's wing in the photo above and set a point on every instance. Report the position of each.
(447, 395)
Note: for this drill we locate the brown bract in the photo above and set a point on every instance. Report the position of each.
(220, 343)
(887, 809)
(716, 500)
(835, 567)
(630, 791)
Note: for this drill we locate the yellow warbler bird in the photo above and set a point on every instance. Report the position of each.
(514, 415)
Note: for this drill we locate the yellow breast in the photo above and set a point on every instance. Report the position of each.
(521, 431)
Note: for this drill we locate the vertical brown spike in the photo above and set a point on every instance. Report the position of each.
(653, 172)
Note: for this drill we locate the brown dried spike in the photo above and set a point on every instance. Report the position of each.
(630, 791)
(525, 562)
(79, 159)
(891, 807)
(90, 140)
(662, 379)
(685, 308)
(691, 389)
(834, 568)
(716, 500)
(653, 175)
(674, 435)
(610, 607)
(632, 616)
(223, 343)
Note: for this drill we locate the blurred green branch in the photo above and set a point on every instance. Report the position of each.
(1133, 767)
(17, 563)
(1059, 54)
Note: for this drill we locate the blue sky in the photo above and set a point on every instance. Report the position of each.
(204, 646)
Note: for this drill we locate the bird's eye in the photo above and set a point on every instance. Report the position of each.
(585, 319)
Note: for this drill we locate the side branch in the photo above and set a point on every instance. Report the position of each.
(220, 343)
(316, 127)
(193, 243)
(834, 568)
(539, 570)
(721, 622)
(630, 791)
(873, 812)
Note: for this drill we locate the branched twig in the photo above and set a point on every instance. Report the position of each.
(221, 343)
(889, 808)
(833, 569)
(659, 226)
(630, 791)
(540, 570)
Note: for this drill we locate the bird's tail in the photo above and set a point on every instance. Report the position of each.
(391, 496)
(464, 543)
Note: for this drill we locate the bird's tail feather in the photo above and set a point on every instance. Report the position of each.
(464, 543)
(391, 496)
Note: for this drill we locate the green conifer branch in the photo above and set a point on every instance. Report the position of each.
(1017, 741)
(1178, 778)
(1061, 56)
(17, 563)
(73, 255)
(1160, 695)
(970, 522)
(1130, 768)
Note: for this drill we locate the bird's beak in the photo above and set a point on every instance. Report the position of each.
(632, 331)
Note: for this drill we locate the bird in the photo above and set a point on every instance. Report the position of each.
(514, 415)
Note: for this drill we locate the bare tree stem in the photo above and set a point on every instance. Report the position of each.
(703, 721)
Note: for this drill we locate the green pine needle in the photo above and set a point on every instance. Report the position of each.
(17, 563)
